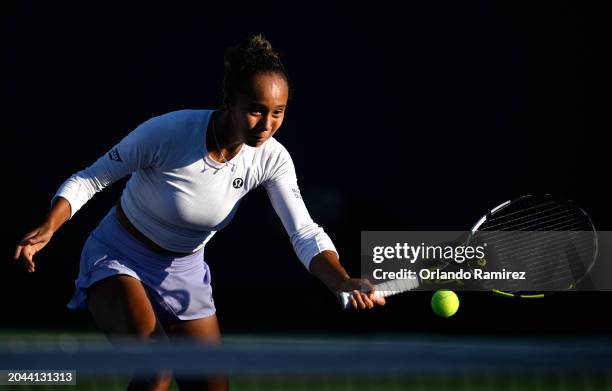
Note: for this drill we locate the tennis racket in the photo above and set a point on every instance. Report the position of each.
(550, 238)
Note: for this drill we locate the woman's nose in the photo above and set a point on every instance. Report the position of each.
(266, 124)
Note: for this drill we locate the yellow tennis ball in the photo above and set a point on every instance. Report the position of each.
(445, 303)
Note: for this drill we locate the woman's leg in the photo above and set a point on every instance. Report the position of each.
(206, 331)
(120, 307)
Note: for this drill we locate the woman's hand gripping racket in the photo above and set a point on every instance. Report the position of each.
(382, 290)
(550, 239)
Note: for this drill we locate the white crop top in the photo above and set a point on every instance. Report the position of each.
(179, 197)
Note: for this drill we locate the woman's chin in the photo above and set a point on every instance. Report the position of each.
(256, 142)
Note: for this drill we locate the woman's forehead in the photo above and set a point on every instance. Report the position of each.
(267, 88)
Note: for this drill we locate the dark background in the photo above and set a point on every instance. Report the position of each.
(414, 118)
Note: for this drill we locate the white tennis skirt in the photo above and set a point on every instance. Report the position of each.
(179, 286)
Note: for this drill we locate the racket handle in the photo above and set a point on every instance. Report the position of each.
(345, 299)
(384, 289)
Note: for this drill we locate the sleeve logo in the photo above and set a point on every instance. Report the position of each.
(114, 155)
(296, 193)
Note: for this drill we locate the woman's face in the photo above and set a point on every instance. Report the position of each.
(258, 112)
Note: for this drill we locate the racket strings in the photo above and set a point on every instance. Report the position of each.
(542, 262)
(528, 243)
(550, 265)
(532, 247)
(506, 212)
(505, 239)
(535, 265)
(540, 277)
(544, 265)
(553, 241)
(565, 279)
(524, 242)
(552, 225)
(535, 219)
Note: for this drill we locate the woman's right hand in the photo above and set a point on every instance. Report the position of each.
(31, 243)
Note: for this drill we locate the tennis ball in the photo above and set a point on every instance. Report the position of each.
(445, 303)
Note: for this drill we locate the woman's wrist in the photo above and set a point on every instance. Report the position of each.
(58, 215)
(327, 268)
(48, 225)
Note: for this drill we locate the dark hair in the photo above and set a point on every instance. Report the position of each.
(253, 55)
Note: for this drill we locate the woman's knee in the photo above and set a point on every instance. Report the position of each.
(205, 330)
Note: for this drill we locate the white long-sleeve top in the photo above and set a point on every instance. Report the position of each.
(179, 197)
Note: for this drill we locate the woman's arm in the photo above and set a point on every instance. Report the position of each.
(35, 240)
(327, 268)
(58, 215)
(139, 149)
(310, 242)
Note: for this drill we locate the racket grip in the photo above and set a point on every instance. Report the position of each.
(345, 299)
(384, 289)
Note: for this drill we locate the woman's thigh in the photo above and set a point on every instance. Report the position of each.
(121, 308)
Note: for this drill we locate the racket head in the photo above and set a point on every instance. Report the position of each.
(550, 238)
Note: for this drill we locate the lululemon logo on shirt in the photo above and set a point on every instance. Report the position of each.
(237, 183)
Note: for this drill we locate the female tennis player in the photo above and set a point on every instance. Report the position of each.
(142, 270)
